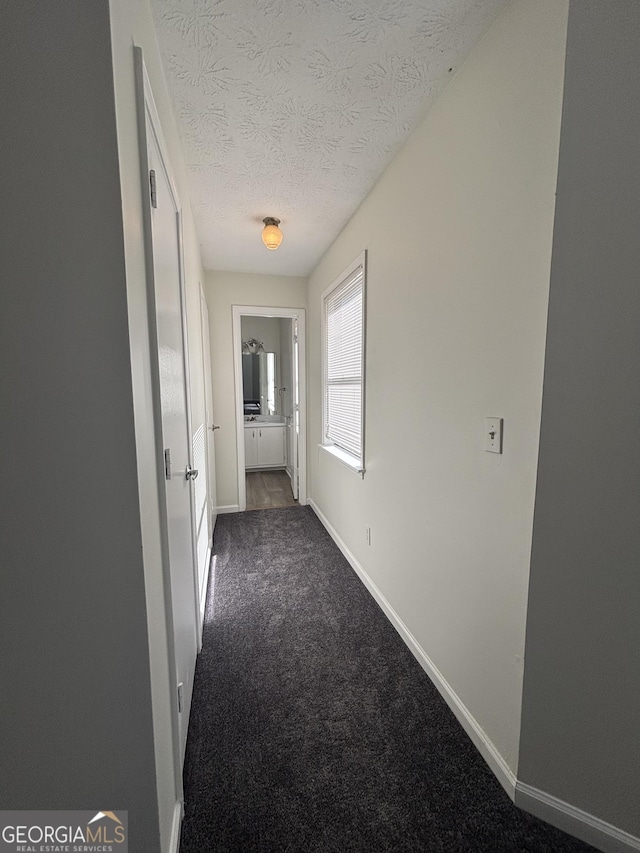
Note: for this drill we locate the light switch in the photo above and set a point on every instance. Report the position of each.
(493, 435)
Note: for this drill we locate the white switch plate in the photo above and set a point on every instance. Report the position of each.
(367, 534)
(493, 435)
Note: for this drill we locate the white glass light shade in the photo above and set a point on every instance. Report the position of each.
(271, 234)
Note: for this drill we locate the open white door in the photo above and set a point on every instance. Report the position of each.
(294, 426)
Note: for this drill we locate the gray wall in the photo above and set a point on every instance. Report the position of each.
(75, 700)
(580, 727)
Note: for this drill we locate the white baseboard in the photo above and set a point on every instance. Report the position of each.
(550, 809)
(576, 822)
(174, 843)
(231, 508)
(496, 762)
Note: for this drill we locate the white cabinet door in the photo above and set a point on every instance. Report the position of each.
(271, 446)
(250, 448)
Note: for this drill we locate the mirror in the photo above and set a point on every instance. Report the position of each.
(259, 383)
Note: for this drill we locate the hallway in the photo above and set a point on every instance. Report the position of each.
(314, 729)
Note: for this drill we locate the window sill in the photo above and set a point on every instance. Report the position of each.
(345, 458)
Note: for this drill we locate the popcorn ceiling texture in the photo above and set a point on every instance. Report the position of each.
(293, 108)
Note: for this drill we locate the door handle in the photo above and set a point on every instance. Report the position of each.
(191, 473)
(213, 427)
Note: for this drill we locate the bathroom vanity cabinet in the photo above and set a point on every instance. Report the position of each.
(264, 445)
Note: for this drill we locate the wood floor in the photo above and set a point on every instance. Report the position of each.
(269, 489)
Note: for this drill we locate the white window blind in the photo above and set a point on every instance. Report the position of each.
(344, 364)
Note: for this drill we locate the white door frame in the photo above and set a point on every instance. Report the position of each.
(293, 440)
(238, 312)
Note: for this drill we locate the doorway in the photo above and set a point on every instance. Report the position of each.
(271, 422)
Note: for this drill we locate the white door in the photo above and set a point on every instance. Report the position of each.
(166, 236)
(295, 414)
(250, 448)
(207, 512)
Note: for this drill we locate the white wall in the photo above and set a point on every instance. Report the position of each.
(132, 24)
(458, 232)
(224, 289)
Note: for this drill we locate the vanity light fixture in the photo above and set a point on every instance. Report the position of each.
(252, 346)
(271, 234)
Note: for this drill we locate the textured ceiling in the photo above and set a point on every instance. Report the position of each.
(293, 108)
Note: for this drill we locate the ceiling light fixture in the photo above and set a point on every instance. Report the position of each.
(271, 234)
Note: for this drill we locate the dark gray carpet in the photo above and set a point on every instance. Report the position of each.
(313, 728)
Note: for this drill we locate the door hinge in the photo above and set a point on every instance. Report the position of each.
(180, 697)
(152, 188)
(167, 464)
(295, 339)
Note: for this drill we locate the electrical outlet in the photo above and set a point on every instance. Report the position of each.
(367, 534)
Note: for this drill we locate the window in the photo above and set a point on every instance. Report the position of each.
(343, 366)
